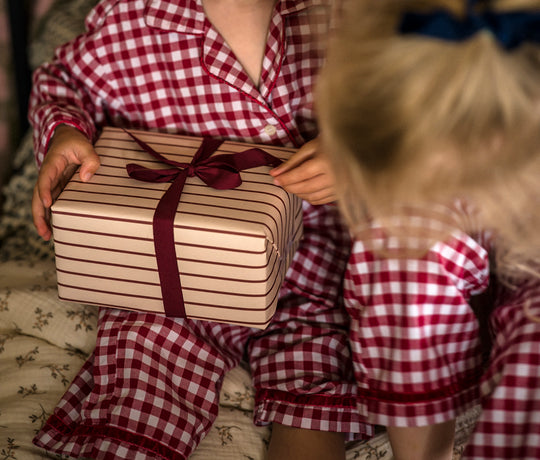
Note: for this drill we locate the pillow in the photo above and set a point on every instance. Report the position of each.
(18, 238)
(63, 22)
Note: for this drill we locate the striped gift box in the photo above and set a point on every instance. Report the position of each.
(233, 247)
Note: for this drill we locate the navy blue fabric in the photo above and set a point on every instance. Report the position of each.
(510, 29)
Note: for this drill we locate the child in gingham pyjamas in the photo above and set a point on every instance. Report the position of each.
(430, 112)
(151, 387)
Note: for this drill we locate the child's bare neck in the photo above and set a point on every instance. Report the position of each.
(244, 26)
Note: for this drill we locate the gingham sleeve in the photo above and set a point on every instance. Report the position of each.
(60, 94)
(449, 273)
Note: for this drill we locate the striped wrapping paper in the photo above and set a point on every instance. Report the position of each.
(233, 247)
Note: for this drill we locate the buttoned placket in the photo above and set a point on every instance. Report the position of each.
(220, 61)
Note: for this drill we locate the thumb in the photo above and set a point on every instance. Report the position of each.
(89, 164)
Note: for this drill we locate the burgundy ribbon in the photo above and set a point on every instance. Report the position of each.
(221, 172)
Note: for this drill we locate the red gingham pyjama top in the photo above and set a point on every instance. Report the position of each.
(151, 387)
(417, 349)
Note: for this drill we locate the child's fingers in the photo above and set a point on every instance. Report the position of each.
(69, 146)
(322, 197)
(300, 182)
(89, 165)
(317, 190)
(303, 154)
(47, 181)
(305, 171)
(311, 176)
(40, 215)
(45, 190)
(308, 175)
(55, 172)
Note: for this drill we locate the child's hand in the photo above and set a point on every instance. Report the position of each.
(307, 174)
(68, 149)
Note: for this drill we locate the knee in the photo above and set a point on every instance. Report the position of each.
(290, 443)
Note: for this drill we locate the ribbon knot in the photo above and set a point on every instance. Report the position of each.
(510, 28)
(221, 172)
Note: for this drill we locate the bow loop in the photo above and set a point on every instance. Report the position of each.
(145, 174)
(219, 176)
(191, 170)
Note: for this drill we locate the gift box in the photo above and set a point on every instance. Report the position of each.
(165, 239)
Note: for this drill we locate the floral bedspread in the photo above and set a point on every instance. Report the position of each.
(44, 342)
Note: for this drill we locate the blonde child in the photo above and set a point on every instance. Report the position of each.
(430, 112)
(231, 69)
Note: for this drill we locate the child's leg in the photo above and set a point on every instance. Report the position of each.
(301, 364)
(433, 442)
(150, 391)
(302, 375)
(288, 443)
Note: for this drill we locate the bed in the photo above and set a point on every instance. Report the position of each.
(43, 342)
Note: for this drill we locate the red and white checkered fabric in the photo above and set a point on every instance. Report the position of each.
(414, 337)
(509, 425)
(151, 388)
(160, 65)
(416, 329)
(301, 363)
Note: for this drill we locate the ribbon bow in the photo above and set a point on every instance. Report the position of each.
(221, 172)
(510, 29)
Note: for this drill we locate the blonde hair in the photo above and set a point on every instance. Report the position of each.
(410, 119)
